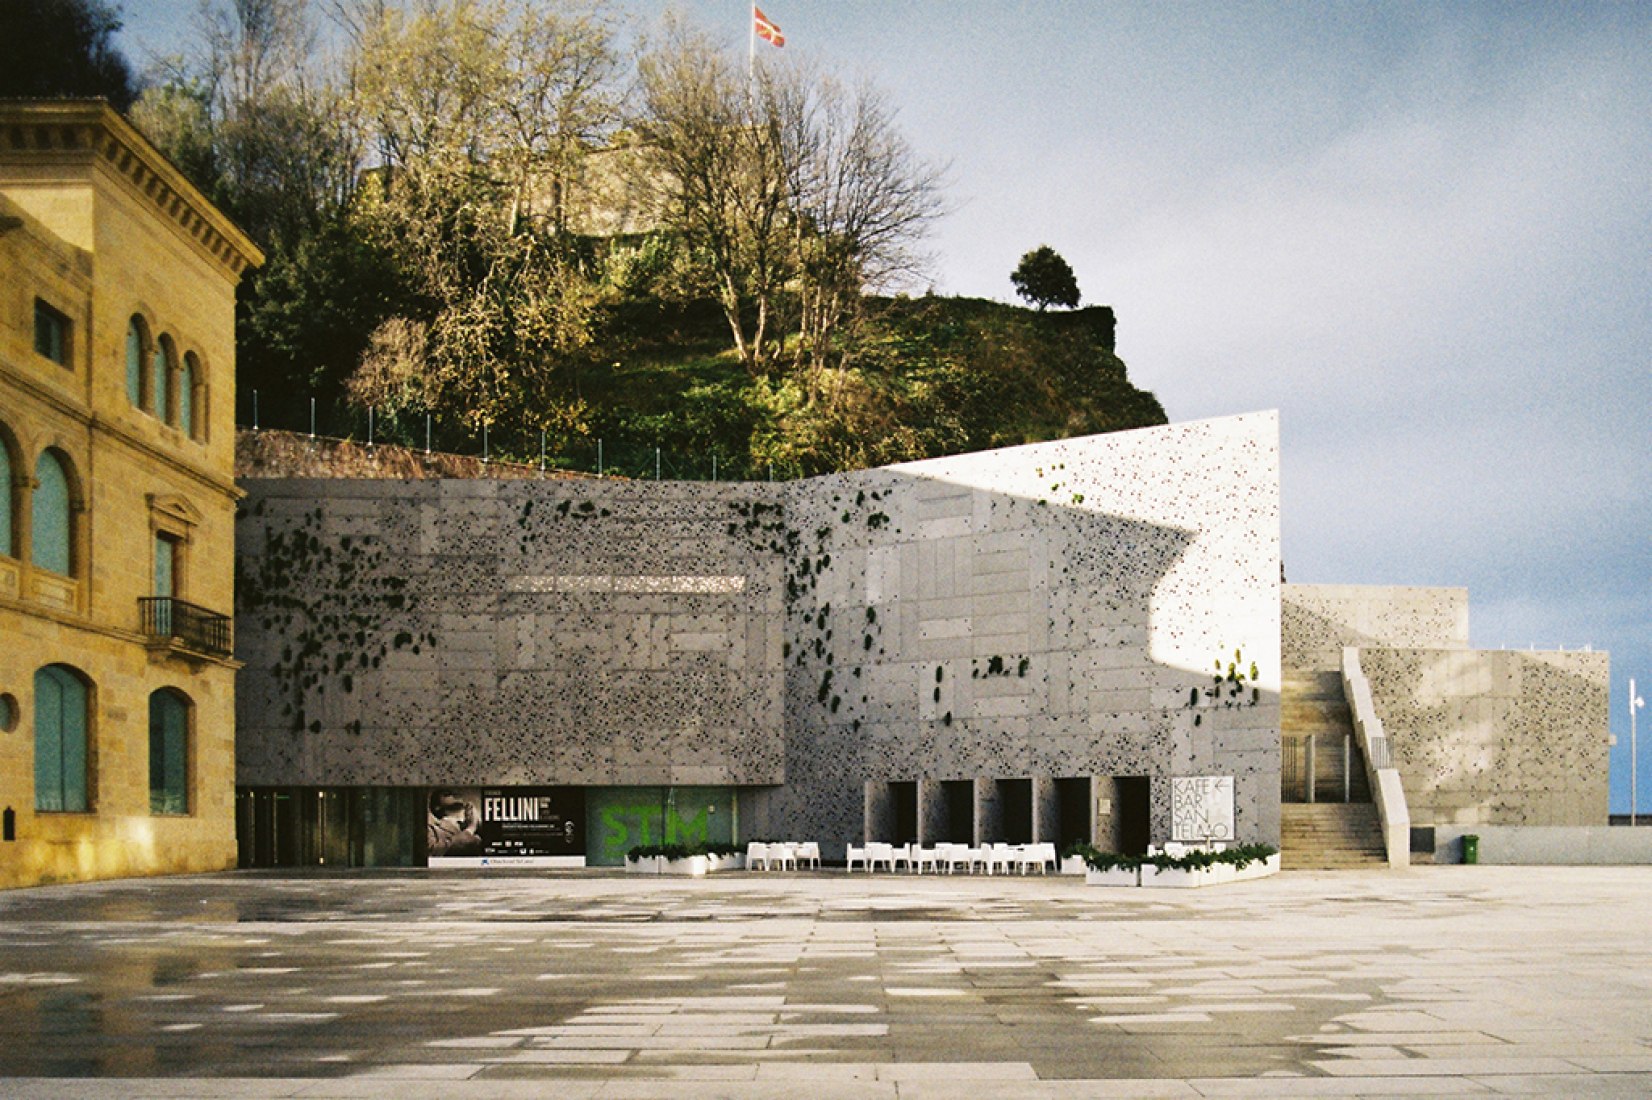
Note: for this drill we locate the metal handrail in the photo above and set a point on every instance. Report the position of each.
(1386, 789)
(190, 625)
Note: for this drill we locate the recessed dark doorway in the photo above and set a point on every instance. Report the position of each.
(1015, 810)
(903, 803)
(959, 796)
(1133, 812)
(1073, 820)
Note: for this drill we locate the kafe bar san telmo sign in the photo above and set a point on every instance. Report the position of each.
(505, 826)
(1201, 808)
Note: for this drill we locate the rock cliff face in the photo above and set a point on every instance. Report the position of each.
(276, 454)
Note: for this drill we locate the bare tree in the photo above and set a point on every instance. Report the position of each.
(796, 192)
(862, 201)
(718, 145)
(253, 109)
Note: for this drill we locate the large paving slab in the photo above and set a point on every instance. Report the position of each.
(1438, 981)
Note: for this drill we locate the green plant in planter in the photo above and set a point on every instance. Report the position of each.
(684, 851)
(1110, 861)
(1245, 854)
(1242, 855)
(1189, 861)
(668, 851)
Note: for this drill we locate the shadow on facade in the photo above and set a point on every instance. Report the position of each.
(879, 654)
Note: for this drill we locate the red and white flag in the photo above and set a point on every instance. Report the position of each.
(767, 29)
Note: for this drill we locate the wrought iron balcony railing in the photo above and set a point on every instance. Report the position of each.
(187, 626)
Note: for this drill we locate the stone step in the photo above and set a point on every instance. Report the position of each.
(1307, 684)
(1328, 835)
(1312, 704)
(1303, 717)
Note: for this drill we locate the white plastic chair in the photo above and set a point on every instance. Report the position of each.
(809, 852)
(877, 853)
(785, 854)
(902, 854)
(853, 855)
(1041, 855)
(922, 856)
(962, 853)
(998, 857)
(757, 852)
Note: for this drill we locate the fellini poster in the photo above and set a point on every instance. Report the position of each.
(505, 827)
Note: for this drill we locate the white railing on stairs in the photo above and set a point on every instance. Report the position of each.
(1386, 790)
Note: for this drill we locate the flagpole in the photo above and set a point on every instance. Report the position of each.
(751, 43)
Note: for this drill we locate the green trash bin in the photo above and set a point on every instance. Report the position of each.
(1471, 848)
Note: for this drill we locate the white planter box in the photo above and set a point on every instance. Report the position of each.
(693, 866)
(647, 865)
(1176, 878)
(1113, 876)
(1258, 869)
(1074, 865)
(735, 862)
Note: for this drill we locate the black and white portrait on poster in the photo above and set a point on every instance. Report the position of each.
(522, 826)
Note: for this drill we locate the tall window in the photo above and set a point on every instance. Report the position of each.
(187, 375)
(7, 546)
(160, 374)
(134, 362)
(168, 753)
(51, 333)
(52, 516)
(166, 565)
(60, 741)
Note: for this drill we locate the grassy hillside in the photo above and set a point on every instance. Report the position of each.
(930, 376)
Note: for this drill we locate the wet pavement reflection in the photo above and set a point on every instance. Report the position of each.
(597, 974)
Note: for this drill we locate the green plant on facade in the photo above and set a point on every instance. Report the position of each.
(1232, 685)
(343, 609)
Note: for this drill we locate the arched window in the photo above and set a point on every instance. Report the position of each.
(53, 515)
(168, 752)
(60, 741)
(134, 362)
(8, 545)
(160, 377)
(187, 376)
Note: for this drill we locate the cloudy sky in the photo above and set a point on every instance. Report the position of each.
(1421, 231)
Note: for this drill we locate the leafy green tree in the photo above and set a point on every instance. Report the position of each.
(480, 113)
(1045, 279)
(52, 48)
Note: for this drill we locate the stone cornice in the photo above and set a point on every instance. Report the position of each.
(70, 130)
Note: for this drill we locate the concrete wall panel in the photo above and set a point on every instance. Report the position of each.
(1038, 611)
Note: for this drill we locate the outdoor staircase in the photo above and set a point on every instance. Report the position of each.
(1339, 827)
(1330, 836)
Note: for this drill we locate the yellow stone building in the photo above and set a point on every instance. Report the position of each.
(117, 504)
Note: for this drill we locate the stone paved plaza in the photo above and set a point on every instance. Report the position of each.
(1437, 981)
